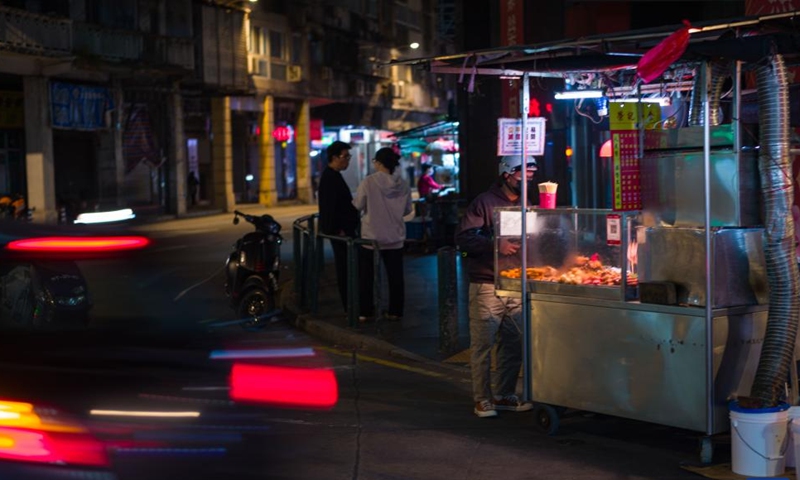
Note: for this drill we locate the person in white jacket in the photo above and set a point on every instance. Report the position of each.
(384, 198)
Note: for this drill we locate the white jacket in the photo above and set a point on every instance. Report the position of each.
(384, 200)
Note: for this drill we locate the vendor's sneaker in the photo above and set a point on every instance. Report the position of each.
(485, 408)
(511, 403)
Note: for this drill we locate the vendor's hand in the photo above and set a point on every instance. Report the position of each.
(508, 246)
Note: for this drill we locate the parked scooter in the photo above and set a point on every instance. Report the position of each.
(253, 268)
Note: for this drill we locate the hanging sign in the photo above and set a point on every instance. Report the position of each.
(509, 136)
(613, 231)
(79, 107)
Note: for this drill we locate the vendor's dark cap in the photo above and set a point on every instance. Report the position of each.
(387, 157)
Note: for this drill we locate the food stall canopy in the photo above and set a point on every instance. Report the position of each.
(439, 128)
(748, 39)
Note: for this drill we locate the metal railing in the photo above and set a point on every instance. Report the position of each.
(29, 32)
(89, 39)
(162, 50)
(309, 263)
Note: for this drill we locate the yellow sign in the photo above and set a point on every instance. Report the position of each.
(12, 110)
(624, 115)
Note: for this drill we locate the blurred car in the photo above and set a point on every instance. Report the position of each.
(132, 401)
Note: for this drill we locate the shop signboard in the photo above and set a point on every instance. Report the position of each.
(509, 136)
(625, 150)
(79, 107)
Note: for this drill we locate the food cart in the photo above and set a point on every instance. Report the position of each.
(657, 313)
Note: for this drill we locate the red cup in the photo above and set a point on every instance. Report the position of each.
(547, 200)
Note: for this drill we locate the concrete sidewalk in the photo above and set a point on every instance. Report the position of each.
(416, 337)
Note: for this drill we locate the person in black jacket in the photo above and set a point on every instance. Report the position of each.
(493, 319)
(337, 215)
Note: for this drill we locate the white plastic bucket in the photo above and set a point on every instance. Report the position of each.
(794, 437)
(759, 440)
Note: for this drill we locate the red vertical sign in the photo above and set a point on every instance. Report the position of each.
(511, 33)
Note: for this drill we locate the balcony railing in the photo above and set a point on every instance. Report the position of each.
(28, 32)
(175, 51)
(106, 43)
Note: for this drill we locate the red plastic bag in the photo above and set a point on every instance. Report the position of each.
(660, 57)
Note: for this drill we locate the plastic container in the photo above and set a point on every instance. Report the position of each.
(794, 437)
(759, 440)
(547, 200)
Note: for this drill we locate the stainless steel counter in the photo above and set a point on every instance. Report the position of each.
(642, 361)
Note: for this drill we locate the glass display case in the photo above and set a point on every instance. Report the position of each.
(575, 252)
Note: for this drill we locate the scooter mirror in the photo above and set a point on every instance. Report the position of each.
(236, 220)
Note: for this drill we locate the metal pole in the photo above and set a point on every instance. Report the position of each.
(352, 284)
(315, 271)
(526, 327)
(311, 263)
(376, 279)
(448, 300)
(297, 241)
(705, 69)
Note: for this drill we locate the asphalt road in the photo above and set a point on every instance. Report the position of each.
(394, 419)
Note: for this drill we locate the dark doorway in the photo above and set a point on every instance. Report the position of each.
(75, 169)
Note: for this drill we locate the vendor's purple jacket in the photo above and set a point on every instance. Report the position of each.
(475, 236)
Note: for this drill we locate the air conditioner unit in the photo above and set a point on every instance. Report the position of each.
(294, 73)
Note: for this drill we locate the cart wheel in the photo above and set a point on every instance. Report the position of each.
(706, 450)
(546, 418)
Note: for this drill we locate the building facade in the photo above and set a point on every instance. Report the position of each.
(112, 103)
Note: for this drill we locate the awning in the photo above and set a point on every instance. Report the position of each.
(748, 39)
(441, 128)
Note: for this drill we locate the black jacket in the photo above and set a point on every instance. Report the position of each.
(475, 235)
(336, 210)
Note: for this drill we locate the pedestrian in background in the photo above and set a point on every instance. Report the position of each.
(427, 186)
(493, 319)
(194, 186)
(384, 198)
(337, 216)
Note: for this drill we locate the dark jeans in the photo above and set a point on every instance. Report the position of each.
(393, 262)
(340, 262)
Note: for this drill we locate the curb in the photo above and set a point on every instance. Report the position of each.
(346, 337)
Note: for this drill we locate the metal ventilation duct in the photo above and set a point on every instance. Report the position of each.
(777, 193)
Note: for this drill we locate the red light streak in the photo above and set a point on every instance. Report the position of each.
(78, 244)
(285, 386)
(51, 447)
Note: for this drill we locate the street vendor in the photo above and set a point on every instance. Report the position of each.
(427, 186)
(493, 319)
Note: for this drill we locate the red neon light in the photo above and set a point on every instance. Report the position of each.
(51, 447)
(282, 134)
(285, 386)
(78, 244)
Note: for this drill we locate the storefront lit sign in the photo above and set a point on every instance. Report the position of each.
(282, 133)
(509, 136)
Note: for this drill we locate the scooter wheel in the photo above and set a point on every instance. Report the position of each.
(255, 302)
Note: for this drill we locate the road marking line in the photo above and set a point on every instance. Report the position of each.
(385, 363)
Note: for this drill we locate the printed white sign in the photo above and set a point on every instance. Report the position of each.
(509, 136)
(511, 223)
(613, 232)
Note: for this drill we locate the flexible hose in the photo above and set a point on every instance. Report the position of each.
(775, 170)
